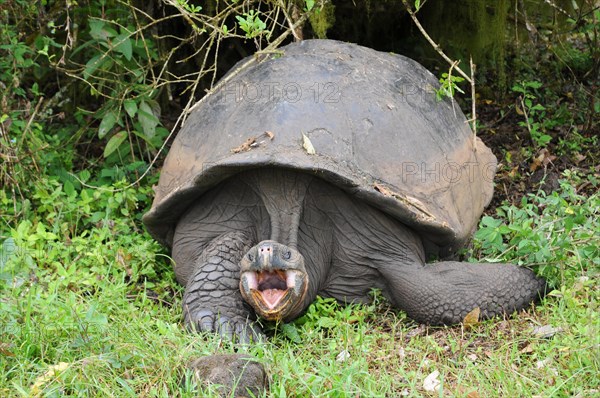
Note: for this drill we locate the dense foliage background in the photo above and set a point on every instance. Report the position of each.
(92, 93)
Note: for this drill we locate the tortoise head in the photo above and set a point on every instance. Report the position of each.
(273, 280)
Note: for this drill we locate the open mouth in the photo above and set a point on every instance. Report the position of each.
(273, 293)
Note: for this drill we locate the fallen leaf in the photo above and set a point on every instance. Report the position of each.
(253, 142)
(518, 109)
(123, 260)
(401, 354)
(246, 146)
(580, 284)
(528, 349)
(472, 318)
(578, 158)
(472, 357)
(530, 27)
(543, 159)
(46, 377)
(5, 349)
(307, 145)
(431, 382)
(473, 394)
(537, 162)
(513, 172)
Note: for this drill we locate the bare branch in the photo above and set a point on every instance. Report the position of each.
(435, 46)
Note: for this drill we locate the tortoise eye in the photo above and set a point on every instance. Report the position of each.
(250, 257)
(287, 255)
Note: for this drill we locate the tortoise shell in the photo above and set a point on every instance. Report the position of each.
(364, 120)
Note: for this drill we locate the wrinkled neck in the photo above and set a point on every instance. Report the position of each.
(283, 195)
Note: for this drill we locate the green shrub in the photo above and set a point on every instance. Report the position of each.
(557, 233)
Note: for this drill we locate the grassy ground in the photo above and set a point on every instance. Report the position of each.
(90, 307)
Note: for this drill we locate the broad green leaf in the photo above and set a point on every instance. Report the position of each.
(490, 222)
(69, 188)
(108, 122)
(9, 247)
(114, 142)
(96, 29)
(84, 175)
(123, 45)
(130, 107)
(93, 64)
(100, 31)
(290, 331)
(147, 119)
(327, 322)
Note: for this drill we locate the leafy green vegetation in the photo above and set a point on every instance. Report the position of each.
(534, 114)
(558, 234)
(89, 305)
(448, 86)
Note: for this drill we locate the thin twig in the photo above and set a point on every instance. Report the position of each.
(435, 46)
(557, 8)
(31, 117)
(524, 109)
(269, 49)
(289, 21)
(453, 64)
(189, 107)
(473, 99)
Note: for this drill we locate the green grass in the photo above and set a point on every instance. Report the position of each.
(89, 307)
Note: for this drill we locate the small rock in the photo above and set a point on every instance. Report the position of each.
(543, 363)
(401, 354)
(472, 357)
(431, 382)
(342, 356)
(237, 373)
(546, 331)
(419, 330)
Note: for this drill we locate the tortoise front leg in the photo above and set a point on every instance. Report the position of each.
(212, 301)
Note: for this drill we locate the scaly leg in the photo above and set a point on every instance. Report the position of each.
(212, 301)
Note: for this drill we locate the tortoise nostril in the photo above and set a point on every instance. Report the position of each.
(265, 249)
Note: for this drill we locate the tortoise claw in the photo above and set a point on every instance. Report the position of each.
(235, 329)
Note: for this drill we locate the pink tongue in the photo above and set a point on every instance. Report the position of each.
(272, 297)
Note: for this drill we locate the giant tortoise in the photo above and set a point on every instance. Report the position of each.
(328, 169)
